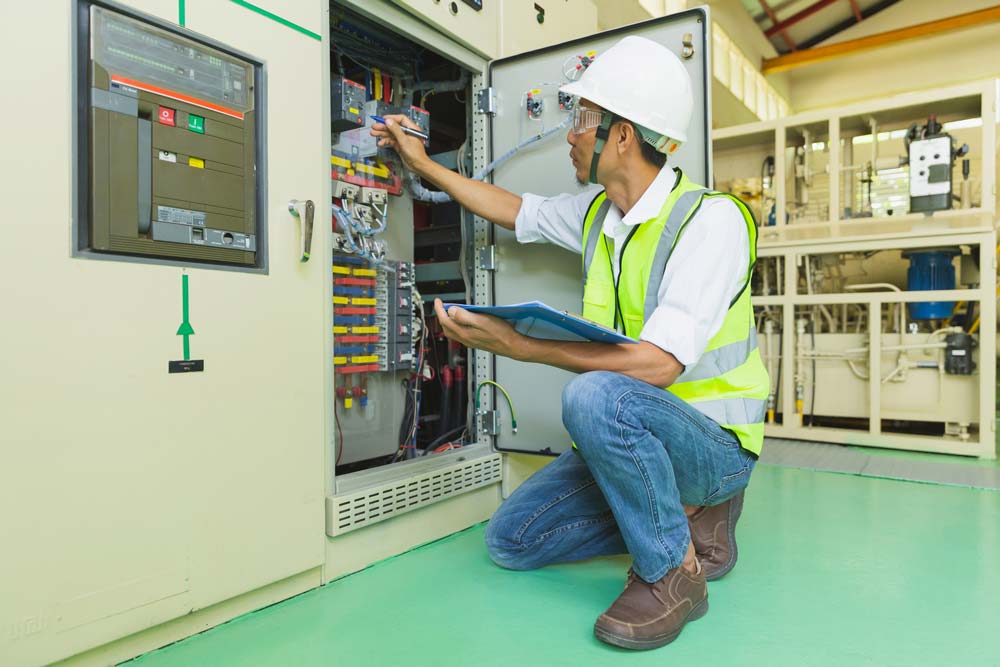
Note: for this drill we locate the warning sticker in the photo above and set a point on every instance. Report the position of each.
(180, 216)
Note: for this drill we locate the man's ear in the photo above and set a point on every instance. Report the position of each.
(626, 136)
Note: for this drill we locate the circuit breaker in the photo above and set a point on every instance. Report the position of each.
(347, 101)
(170, 154)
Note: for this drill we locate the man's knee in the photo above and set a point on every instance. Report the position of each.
(586, 396)
(503, 546)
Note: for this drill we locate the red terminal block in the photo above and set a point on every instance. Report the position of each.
(357, 282)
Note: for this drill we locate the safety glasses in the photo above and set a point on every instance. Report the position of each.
(585, 119)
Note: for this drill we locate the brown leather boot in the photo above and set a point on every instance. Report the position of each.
(649, 616)
(713, 532)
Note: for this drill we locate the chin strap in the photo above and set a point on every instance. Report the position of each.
(602, 137)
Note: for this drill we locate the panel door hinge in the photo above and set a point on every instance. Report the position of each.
(486, 101)
(491, 422)
(488, 258)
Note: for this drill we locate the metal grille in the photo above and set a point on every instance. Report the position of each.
(362, 508)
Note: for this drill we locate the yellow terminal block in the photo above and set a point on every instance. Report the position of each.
(340, 300)
(364, 330)
(339, 361)
(370, 359)
(365, 273)
(340, 330)
(359, 301)
(342, 270)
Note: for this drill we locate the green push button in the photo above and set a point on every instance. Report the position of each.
(196, 124)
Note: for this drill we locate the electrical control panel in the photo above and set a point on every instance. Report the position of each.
(930, 173)
(422, 118)
(170, 144)
(347, 99)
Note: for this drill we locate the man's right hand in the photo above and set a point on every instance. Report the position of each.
(410, 148)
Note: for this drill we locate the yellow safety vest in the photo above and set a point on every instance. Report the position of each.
(729, 383)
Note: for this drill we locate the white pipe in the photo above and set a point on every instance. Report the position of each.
(888, 286)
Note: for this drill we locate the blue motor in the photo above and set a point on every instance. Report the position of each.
(931, 270)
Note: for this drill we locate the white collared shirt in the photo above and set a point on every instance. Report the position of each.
(705, 273)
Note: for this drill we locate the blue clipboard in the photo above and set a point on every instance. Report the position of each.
(537, 320)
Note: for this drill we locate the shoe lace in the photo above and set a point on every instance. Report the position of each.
(655, 589)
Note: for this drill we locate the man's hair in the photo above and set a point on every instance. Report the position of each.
(649, 154)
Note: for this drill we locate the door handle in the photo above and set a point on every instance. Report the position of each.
(304, 211)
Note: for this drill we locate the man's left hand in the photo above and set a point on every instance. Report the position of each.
(482, 332)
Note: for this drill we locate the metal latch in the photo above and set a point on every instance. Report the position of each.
(488, 258)
(491, 422)
(687, 44)
(486, 101)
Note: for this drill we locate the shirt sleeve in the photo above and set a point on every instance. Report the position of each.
(706, 271)
(557, 220)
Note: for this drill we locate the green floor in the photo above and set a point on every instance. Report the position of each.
(834, 570)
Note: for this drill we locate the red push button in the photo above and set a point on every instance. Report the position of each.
(167, 116)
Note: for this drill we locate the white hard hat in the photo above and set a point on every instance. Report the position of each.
(643, 82)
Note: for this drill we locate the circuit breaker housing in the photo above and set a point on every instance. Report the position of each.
(170, 144)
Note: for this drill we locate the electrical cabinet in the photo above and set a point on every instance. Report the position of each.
(454, 403)
(169, 143)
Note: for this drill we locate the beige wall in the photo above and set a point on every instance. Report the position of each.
(923, 64)
(134, 496)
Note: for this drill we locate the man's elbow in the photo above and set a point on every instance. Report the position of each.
(661, 368)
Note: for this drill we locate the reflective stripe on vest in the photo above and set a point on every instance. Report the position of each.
(729, 383)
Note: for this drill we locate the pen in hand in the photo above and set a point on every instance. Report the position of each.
(406, 130)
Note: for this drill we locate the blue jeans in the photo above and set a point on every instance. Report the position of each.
(642, 454)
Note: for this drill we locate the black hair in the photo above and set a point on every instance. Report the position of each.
(649, 154)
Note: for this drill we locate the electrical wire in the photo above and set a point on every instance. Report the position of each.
(510, 403)
(340, 433)
(421, 193)
(437, 442)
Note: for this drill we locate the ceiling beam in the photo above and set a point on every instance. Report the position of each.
(799, 16)
(856, 10)
(867, 12)
(852, 46)
(774, 20)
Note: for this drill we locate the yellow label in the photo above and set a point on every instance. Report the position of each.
(590, 54)
(342, 270)
(381, 172)
(353, 110)
(340, 330)
(357, 301)
(340, 300)
(348, 402)
(364, 330)
(339, 361)
(536, 91)
(371, 273)
(370, 359)
(196, 162)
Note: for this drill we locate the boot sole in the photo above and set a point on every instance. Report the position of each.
(735, 509)
(654, 642)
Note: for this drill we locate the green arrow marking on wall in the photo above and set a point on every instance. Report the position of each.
(185, 329)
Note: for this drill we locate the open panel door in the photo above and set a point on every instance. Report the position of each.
(544, 272)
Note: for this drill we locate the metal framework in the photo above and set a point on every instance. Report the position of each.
(789, 243)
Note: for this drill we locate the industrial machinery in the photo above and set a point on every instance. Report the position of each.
(875, 309)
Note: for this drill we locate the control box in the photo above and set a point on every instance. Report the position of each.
(347, 102)
(930, 173)
(422, 118)
(170, 157)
